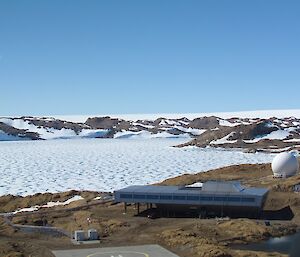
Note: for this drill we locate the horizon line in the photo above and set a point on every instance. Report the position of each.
(266, 113)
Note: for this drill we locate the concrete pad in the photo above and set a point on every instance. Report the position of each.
(126, 251)
(87, 242)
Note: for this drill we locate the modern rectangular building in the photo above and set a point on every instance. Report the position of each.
(216, 197)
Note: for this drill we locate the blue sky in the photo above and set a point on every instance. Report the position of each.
(150, 56)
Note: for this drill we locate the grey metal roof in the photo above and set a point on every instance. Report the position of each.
(213, 187)
(255, 191)
(150, 189)
(222, 186)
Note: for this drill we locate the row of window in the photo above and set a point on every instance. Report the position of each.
(189, 198)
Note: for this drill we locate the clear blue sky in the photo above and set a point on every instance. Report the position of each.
(148, 56)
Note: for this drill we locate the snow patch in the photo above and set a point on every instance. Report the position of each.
(197, 184)
(147, 135)
(224, 140)
(166, 122)
(193, 131)
(292, 140)
(143, 125)
(277, 150)
(226, 123)
(50, 205)
(277, 134)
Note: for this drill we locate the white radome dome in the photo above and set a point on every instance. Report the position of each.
(285, 165)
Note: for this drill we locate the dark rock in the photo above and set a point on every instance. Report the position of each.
(205, 123)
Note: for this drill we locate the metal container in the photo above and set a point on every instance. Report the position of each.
(93, 234)
(79, 235)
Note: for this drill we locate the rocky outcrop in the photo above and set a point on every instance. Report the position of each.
(19, 133)
(54, 123)
(205, 123)
(102, 122)
(259, 135)
(201, 246)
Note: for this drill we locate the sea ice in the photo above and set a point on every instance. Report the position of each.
(28, 167)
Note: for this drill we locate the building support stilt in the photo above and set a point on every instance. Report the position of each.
(125, 207)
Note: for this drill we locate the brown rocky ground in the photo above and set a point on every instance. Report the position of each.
(10, 203)
(187, 237)
(16, 244)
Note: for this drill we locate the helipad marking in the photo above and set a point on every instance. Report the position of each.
(99, 253)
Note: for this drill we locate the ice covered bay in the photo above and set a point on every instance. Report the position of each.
(28, 167)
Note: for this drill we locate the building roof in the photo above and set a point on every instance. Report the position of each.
(222, 186)
(213, 187)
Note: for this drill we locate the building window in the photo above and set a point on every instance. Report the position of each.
(152, 196)
(193, 198)
(166, 197)
(179, 197)
(206, 198)
(248, 199)
(234, 199)
(220, 198)
(128, 196)
(139, 196)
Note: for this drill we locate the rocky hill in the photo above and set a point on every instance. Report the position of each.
(255, 134)
(268, 135)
